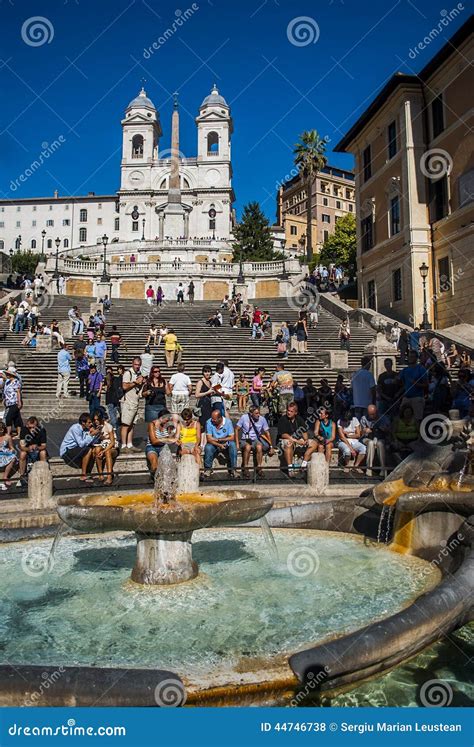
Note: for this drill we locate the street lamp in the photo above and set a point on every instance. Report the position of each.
(284, 274)
(424, 270)
(105, 278)
(143, 229)
(43, 234)
(56, 270)
(11, 253)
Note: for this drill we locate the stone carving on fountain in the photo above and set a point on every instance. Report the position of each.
(163, 521)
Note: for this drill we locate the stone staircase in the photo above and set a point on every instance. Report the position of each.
(202, 345)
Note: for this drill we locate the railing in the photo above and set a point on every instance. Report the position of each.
(176, 267)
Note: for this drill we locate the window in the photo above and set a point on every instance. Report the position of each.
(66, 243)
(367, 233)
(66, 207)
(117, 224)
(66, 222)
(439, 199)
(83, 234)
(18, 224)
(33, 243)
(99, 221)
(33, 223)
(325, 201)
(392, 139)
(2, 224)
(34, 208)
(444, 275)
(83, 216)
(348, 194)
(397, 285)
(2, 210)
(437, 115)
(367, 163)
(371, 295)
(137, 146)
(49, 244)
(338, 204)
(293, 230)
(351, 207)
(135, 225)
(18, 208)
(99, 206)
(325, 235)
(50, 207)
(212, 144)
(394, 215)
(335, 190)
(2, 245)
(325, 218)
(50, 223)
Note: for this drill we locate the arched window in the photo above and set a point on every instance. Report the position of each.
(33, 243)
(49, 244)
(212, 144)
(83, 216)
(66, 243)
(83, 234)
(137, 146)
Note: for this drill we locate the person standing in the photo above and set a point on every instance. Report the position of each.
(147, 362)
(170, 341)
(191, 292)
(96, 381)
(159, 296)
(395, 335)
(180, 388)
(414, 379)
(132, 383)
(154, 393)
(179, 293)
(203, 394)
(388, 386)
(100, 353)
(301, 334)
(82, 370)
(150, 296)
(12, 399)
(113, 391)
(345, 335)
(115, 343)
(363, 388)
(282, 383)
(62, 284)
(64, 372)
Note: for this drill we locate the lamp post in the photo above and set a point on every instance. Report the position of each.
(424, 270)
(241, 277)
(11, 252)
(105, 277)
(56, 266)
(143, 229)
(284, 274)
(43, 234)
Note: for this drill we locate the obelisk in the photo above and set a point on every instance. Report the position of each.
(175, 217)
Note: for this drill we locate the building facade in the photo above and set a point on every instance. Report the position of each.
(413, 148)
(201, 206)
(333, 196)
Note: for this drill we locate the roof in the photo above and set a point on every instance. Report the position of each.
(400, 79)
(141, 102)
(214, 99)
(52, 200)
(333, 171)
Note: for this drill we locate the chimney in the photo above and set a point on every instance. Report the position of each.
(56, 194)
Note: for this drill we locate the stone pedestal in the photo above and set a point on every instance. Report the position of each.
(242, 288)
(4, 357)
(188, 475)
(318, 474)
(276, 327)
(164, 559)
(40, 486)
(102, 289)
(44, 343)
(337, 360)
(378, 350)
(65, 328)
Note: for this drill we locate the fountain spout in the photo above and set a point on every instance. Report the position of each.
(166, 478)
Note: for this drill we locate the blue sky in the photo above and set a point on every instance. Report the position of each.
(78, 84)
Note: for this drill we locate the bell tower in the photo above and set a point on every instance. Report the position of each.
(141, 133)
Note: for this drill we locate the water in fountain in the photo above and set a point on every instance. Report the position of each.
(269, 538)
(62, 529)
(166, 477)
(381, 520)
(386, 518)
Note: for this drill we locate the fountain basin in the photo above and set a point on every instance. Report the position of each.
(163, 530)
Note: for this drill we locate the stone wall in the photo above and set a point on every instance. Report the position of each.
(132, 289)
(267, 289)
(79, 287)
(215, 290)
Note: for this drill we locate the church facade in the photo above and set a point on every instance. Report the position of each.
(164, 196)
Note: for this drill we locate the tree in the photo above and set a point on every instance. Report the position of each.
(341, 246)
(253, 238)
(25, 262)
(310, 158)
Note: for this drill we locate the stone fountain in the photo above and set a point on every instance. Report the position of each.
(164, 520)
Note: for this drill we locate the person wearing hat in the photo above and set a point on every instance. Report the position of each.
(12, 400)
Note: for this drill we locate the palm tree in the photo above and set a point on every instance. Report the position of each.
(310, 158)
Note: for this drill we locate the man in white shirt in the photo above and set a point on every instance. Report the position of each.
(363, 388)
(227, 379)
(147, 361)
(180, 388)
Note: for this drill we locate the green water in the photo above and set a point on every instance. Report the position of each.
(83, 611)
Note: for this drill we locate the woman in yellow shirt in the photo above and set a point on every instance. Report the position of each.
(190, 436)
(170, 347)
